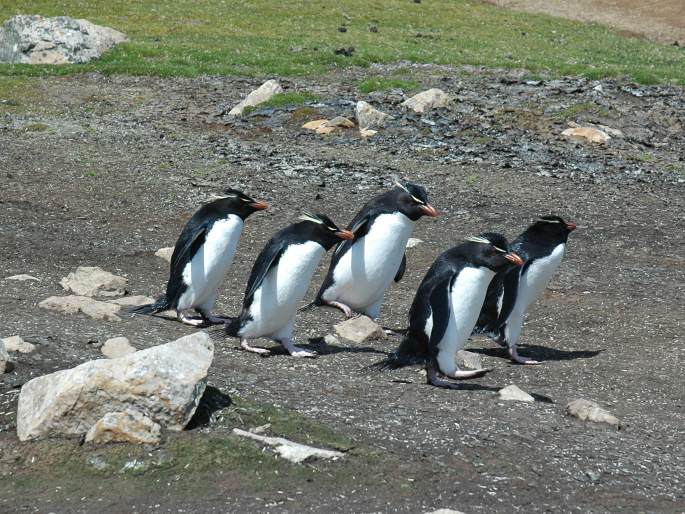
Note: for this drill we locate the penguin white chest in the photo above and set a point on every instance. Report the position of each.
(275, 303)
(537, 276)
(208, 267)
(367, 269)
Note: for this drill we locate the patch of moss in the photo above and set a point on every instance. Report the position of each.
(378, 83)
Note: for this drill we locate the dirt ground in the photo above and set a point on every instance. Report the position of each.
(659, 20)
(104, 171)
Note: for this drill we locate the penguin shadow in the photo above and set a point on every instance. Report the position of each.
(212, 400)
(540, 353)
(320, 346)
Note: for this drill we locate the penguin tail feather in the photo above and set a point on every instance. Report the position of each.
(411, 352)
(160, 305)
(309, 306)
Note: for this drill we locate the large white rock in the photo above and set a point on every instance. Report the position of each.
(72, 304)
(163, 383)
(359, 329)
(94, 281)
(17, 344)
(117, 347)
(370, 117)
(514, 393)
(260, 95)
(587, 410)
(124, 427)
(4, 357)
(31, 39)
(426, 100)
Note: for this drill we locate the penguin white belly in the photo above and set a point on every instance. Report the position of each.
(205, 272)
(466, 300)
(367, 269)
(276, 301)
(536, 278)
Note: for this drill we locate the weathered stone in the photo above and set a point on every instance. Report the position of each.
(587, 133)
(413, 242)
(164, 383)
(30, 39)
(364, 132)
(4, 357)
(165, 253)
(513, 393)
(260, 95)
(73, 304)
(324, 129)
(132, 301)
(359, 329)
(426, 100)
(117, 347)
(587, 410)
(94, 281)
(289, 450)
(17, 344)
(469, 360)
(22, 278)
(340, 122)
(445, 511)
(124, 427)
(370, 117)
(314, 124)
(330, 339)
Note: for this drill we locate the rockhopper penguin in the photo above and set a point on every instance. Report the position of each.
(513, 291)
(446, 306)
(279, 280)
(362, 270)
(202, 256)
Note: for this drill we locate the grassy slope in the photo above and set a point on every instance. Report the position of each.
(258, 37)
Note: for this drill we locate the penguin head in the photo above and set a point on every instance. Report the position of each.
(412, 201)
(238, 203)
(491, 250)
(320, 228)
(550, 228)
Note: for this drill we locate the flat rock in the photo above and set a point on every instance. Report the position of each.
(117, 347)
(94, 281)
(260, 95)
(132, 301)
(22, 278)
(413, 242)
(124, 427)
(513, 393)
(469, 360)
(73, 304)
(4, 357)
(17, 344)
(427, 100)
(364, 132)
(163, 383)
(31, 39)
(369, 117)
(290, 450)
(340, 122)
(359, 329)
(587, 410)
(314, 124)
(165, 253)
(587, 134)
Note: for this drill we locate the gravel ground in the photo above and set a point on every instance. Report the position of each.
(105, 170)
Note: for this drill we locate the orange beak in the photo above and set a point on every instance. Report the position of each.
(345, 234)
(514, 257)
(259, 205)
(571, 226)
(429, 210)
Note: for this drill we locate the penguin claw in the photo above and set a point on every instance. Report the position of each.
(515, 357)
(260, 351)
(193, 322)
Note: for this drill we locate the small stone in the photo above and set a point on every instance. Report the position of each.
(342, 28)
(367, 132)
(17, 344)
(22, 278)
(117, 347)
(345, 51)
(414, 242)
(323, 129)
(594, 476)
(587, 410)
(359, 329)
(165, 253)
(260, 95)
(133, 301)
(469, 360)
(315, 124)
(340, 122)
(443, 511)
(370, 117)
(513, 393)
(94, 281)
(289, 450)
(426, 100)
(4, 357)
(587, 133)
(129, 426)
(74, 304)
(98, 462)
(330, 339)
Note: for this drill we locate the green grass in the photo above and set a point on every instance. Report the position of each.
(580, 108)
(268, 37)
(372, 84)
(284, 100)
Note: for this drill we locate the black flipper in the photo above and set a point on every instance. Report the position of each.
(160, 305)
(190, 242)
(402, 268)
(266, 260)
(440, 307)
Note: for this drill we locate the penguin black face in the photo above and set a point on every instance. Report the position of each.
(413, 201)
(241, 204)
(324, 231)
(552, 228)
(491, 250)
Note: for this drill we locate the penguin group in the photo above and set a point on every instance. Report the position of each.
(484, 285)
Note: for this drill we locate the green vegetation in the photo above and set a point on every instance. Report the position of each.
(283, 100)
(576, 109)
(386, 83)
(266, 37)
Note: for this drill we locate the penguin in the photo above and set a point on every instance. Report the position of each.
(446, 307)
(202, 256)
(279, 280)
(511, 293)
(362, 269)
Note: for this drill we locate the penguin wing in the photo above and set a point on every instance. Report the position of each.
(402, 268)
(490, 312)
(266, 260)
(360, 226)
(185, 250)
(441, 305)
